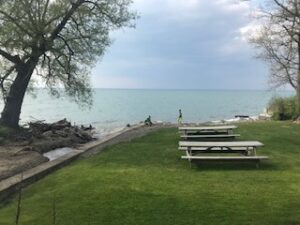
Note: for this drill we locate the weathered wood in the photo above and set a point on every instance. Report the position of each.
(225, 127)
(225, 158)
(241, 151)
(229, 144)
(211, 136)
(216, 148)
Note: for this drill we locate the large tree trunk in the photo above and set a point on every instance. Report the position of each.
(10, 115)
(298, 93)
(298, 79)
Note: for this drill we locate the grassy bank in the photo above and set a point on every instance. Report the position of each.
(145, 182)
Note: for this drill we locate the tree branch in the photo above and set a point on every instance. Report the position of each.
(66, 18)
(284, 7)
(14, 59)
(13, 20)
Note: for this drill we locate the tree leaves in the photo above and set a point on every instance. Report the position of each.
(67, 36)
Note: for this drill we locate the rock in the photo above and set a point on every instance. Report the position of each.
(297, 121)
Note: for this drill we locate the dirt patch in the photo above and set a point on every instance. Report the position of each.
(13, 161)
(24, 148)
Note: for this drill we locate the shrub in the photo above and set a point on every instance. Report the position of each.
(283, 108)
(5, 131)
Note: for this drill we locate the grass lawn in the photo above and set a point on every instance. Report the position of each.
(146, 182)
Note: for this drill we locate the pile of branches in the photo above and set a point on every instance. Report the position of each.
(43, 137)
(61, 128)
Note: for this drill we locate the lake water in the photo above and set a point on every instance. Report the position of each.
(113, 109)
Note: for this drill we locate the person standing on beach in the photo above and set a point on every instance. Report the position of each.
(180, 117)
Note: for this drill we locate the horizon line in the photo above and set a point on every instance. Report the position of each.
(185, 89)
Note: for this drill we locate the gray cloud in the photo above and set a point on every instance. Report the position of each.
(183, 44)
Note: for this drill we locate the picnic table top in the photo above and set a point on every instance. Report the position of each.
(220, 144)
(225, 127)
(210, 136)
(226, 157)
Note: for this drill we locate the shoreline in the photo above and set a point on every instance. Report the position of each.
(60, 157)
(12, 184)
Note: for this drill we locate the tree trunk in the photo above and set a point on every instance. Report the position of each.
(10, 115)
(298, 80)
(298, 93)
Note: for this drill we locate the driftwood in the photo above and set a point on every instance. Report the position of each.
(40, 126)
(48, 136)
(24, 149)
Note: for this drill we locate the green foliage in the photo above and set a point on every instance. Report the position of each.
(67, 37)
(5, 132)
(283, 108)
(145, 182)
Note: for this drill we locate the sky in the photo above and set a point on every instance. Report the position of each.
(184, 44)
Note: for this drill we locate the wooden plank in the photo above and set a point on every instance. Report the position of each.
(219, 150)
(216, 148)
(220, 144)
(225, 127)
(211, 136)
(225, 158)
(240, 151)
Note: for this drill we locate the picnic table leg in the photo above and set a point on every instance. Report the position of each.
(189, 153)
(246, 153)
(257, 164)
(254, 151)
(251, 151)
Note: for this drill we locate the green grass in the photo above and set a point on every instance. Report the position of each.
(144, 182)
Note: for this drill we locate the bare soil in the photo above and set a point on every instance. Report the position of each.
(24, 149)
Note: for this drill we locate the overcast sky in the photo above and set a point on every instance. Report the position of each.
(184, 44)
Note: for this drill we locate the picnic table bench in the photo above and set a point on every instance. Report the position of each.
(226, 129)
(223, 128)
(209, 136)
(246, 148)
(208, 132)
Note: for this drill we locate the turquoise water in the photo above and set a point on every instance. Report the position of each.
(116, 108)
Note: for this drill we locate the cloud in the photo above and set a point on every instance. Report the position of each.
(182, 43)
(233, 6)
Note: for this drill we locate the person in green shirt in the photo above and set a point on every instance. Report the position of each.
(180, 117)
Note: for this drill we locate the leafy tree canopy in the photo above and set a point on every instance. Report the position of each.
(63, 39)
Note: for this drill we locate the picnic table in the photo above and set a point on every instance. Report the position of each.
(208, 129)
(246, 148)
(208, 132)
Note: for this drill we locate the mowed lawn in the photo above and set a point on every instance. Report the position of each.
(146, 182)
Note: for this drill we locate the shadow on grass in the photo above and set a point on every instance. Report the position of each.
(235, 166)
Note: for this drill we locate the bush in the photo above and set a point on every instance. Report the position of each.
(283, 108)
(5, 132)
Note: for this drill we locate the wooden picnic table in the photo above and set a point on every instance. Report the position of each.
(247, 148)
(207, 129)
